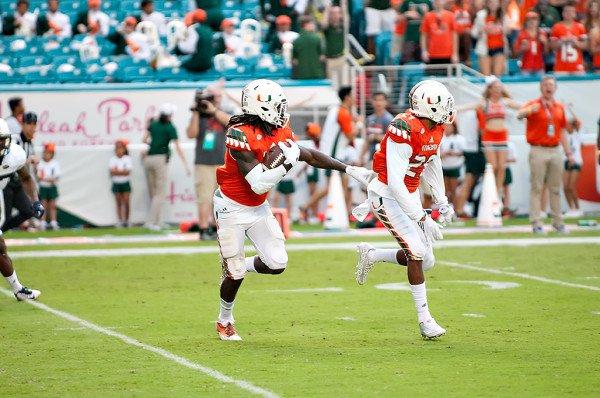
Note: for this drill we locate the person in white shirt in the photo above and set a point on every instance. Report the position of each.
(233, 42)
(54, 22)
(47, 172)
(22, 22)
(120, 166)
(148, 14)
(571, 173)
(451, 153)
(137, 43)
(93, 21)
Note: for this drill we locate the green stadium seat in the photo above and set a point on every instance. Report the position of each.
(38, 76)
(136, 74)
(74, 76)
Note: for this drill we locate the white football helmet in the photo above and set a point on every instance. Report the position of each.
(5, 138)
(266, 99)
(432, 100)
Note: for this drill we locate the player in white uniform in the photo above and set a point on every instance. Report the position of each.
(410, 148)
(12, 159)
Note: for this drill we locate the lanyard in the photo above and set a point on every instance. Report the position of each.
(548, 112)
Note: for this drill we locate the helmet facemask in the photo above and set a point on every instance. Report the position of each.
(4, 144)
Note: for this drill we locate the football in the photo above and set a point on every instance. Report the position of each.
(274, 158)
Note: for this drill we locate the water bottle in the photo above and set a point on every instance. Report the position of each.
(587, 223)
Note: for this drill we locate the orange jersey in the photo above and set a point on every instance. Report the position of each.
(231, 181)
(568, 57)
(538, 131)
(462, 18)
(495, 36)
(408, 129)
(439, 29)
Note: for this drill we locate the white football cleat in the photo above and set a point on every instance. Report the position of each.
(364, 265)
(27, 294)
(227, 332)
(430, 329)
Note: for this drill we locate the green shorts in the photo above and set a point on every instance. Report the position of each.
(313, 177)
(286, 187)
(451, 173)
(121, 187)
(474, 162)
(571, 168)
(48, 193)
(508, 177)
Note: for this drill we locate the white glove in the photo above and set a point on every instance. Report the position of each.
(291, 153)
(431, 230)
(361, 211)
(446, 214)
(361, 174)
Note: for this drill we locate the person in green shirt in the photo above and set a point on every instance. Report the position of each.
(308, 54)
(412, 11)
(159, 134)
(332, 28)
(198, 43)
(214, 13)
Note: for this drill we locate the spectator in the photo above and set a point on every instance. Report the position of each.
(207, 127)
(412, 11)
(198, 43)
(334, 35)
(549, 16)
(494, 104)
(568, 38)
(591, 23)
(510, 158)
(546, 129)
(14, 120)
(21, 22)
(159, 134)
(592, 17)
(214, 15)
(490, 29)
(129, 42)
(149, 14)
(463, 28)
(271, 10)
(595, 49)
(93, 21)
(54, 22)
(474, 159)
(120, 166)
(380, 17)
(376, 126)
(439, 38)
(313, 131)
(47, 172)
(228, 42)
(451, 153)
(571, 174)
(307, 54)
(531, 45)
(14, 192)
(283, 34)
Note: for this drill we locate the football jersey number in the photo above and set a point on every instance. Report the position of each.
(568, 53)
(533, 47)
(415, 169)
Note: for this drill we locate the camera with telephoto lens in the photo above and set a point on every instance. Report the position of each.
(203, 95)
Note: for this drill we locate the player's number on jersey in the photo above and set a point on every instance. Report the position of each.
(568, 53)
(415, 169)
(533, 47)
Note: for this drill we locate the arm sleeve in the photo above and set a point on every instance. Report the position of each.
(435, 178)
(397, 157)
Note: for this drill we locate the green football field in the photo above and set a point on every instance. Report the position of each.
(522, 320)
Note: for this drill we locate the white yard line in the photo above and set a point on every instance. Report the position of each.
(164, 353)
(298, 247)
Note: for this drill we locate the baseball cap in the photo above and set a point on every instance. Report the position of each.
(167, 109)
(227, 22)
(94, 2)
(30, 117)
(49, 146)
(283, 19)
(130, 21)
(313, 128)
(199, 15)
(531, 14)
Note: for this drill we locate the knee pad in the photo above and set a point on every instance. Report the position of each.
(234, 264)
(428, 260)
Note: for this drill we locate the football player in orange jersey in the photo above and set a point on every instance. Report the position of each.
(409, 149)
(240, 202)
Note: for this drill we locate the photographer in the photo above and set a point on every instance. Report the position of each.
(208, 128)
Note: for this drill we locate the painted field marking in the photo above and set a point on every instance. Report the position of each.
(518, 275)
(474, 315)
(322, 289)
(162, 352)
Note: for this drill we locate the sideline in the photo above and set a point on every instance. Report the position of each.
(148, 251)
(162, 352)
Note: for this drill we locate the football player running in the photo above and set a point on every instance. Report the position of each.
(240, 202)
(408, 150)
(12, 159)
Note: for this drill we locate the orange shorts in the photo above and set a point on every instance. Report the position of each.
(494, 137)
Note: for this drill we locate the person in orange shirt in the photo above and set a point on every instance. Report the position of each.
(92, 21)
(531, 45)
(439, 39)
(490, 27)
(595, 49)
(546, 132)
(568, 39)
(460, 8)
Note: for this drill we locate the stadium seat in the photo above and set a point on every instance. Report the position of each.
(6, 59)
(35, 60)
(173, 75)
(72, 59)
(39, 76)
(162, 6)
(74, 76)
(61, 51)
(100, 76)
(241, 72)
(132, 5)
(126, 61)
(383, 44)
(513, 67)
(107, 48)
(29, 51)
(10, 77)
(136, 74)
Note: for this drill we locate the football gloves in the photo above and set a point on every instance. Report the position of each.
(446, 214)
(38, 209)
(291, 153)
(430, 229)
(361, 174)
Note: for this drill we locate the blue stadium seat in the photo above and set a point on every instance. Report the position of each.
(61, 51)
(100, 76)
(131, 5)
(29, 51)
(162, 6)
(70, 7)
(241, 72)
(136, 74)
(125, 62)
(513, 67)
(108, 5)
(38, 76)
(34, 60)
(72, 59)
(6, 59)
(74, 76)
(383, 44)
(5, 50)
(173, 75)
(272, 72)
(10, 77)
(107, 48)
